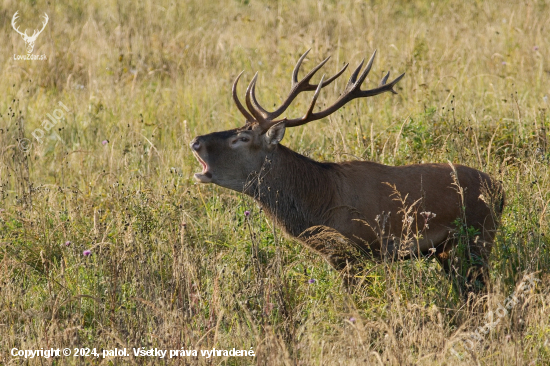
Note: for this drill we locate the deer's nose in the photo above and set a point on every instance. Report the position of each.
(195, 144)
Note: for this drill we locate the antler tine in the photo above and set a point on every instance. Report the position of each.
(297, 68)
(241, 108)
(305, 81)
(303, 85)
(253, 106)
(311, 87)
(384, 79)
(309, 112)
(254, 102)
(353, 77)
(298, 86)
(335, 76)
(352, 91)
(257, 111)
(260, 114)
(367, 69)
(382, 88)
(315, 96)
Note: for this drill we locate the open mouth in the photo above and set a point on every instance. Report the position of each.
(205, 176)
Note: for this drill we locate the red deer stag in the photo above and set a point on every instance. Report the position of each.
(347, 210)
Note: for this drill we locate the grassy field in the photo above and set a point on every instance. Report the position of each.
(170, 264)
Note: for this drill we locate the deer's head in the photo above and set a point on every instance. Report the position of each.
(29, 40)
(229, 158)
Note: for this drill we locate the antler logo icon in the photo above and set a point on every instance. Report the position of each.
(29, 40)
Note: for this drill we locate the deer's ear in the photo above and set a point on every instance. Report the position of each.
(275, 134)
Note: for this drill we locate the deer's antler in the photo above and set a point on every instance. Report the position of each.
(353, 90)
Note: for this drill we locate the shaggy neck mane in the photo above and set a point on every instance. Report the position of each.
(289, 186)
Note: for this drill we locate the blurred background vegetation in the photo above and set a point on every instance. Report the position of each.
(171, 262)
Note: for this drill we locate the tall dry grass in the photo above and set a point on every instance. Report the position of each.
(178, 265)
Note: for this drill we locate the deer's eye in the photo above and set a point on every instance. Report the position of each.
(241, 139)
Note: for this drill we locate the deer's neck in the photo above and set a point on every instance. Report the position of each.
(297, 192)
